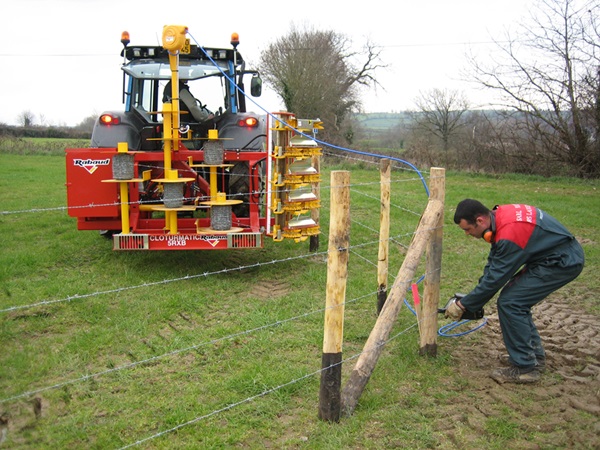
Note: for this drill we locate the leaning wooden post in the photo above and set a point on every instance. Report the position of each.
(337, 274)
(379, 335)
(384, 233)
(433, 269)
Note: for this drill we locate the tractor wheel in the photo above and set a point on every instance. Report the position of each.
(239, 188)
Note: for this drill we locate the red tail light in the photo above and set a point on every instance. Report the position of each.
(250, 122)
(109, 119)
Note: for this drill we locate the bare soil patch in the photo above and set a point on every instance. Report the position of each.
(561, 411)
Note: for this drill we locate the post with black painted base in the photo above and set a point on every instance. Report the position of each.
(337, 274)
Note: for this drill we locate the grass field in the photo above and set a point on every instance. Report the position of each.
(104, 349)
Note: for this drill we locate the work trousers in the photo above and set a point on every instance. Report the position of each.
(527, 288)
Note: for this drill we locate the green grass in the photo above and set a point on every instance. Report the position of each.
(220, 337)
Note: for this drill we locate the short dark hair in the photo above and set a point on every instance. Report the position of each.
(470, 210)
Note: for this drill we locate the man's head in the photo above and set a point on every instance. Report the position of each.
(473, 217)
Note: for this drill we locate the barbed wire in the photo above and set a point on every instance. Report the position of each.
(194, 276)
(189, 348)
(176, 352)
(213, 341)
(352, 248)
(187, 277)
(187, 199)
(391, 204)
(156, 283)
(364, 258)
(271, 390)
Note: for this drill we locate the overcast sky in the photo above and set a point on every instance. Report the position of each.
(60, 58)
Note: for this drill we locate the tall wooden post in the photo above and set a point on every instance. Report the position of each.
(431, 295)
(337, 274)
(384, 233)
(379, 335)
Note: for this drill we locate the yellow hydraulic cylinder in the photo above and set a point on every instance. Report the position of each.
(168, 134)
(213, 183)
(174, 128)
(171, 219)
(124, 207)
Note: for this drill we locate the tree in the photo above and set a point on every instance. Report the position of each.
(549, 74)
(317, 75)
(26, 118)
(439, 112)
(87, 124)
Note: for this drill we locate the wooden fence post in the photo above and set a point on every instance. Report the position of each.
(384, 233)
(379, 335)
(337, 274)
(433, 269)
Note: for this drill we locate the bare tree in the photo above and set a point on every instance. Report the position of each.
(440, 112)
(549, 73)
(503, 142)
(26, 118)
(318, 76)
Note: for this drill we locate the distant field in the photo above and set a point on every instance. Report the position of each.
(382, 121)
(39, 146)
(103, 349)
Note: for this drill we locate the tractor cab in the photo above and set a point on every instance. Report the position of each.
(211, 96)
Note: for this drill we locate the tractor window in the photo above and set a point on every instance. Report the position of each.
(205, 82)
(210, 92)
(144, 97)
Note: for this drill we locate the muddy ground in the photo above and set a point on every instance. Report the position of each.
(561, 411)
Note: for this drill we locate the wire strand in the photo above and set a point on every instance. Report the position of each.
(172, 353)
(267, 391)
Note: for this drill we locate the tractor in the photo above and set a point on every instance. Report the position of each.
(185, 165)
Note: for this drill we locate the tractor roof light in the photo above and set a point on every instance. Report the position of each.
(235, 39)
(125, 38)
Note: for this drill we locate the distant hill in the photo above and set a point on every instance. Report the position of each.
(383, 121)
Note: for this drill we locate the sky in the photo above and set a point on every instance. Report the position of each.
(60, 58)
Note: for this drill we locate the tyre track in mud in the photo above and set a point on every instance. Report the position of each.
(562, 410)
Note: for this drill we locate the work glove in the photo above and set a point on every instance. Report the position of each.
(453, 311)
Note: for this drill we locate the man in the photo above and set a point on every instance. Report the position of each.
(532, 255)
(188, 103)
